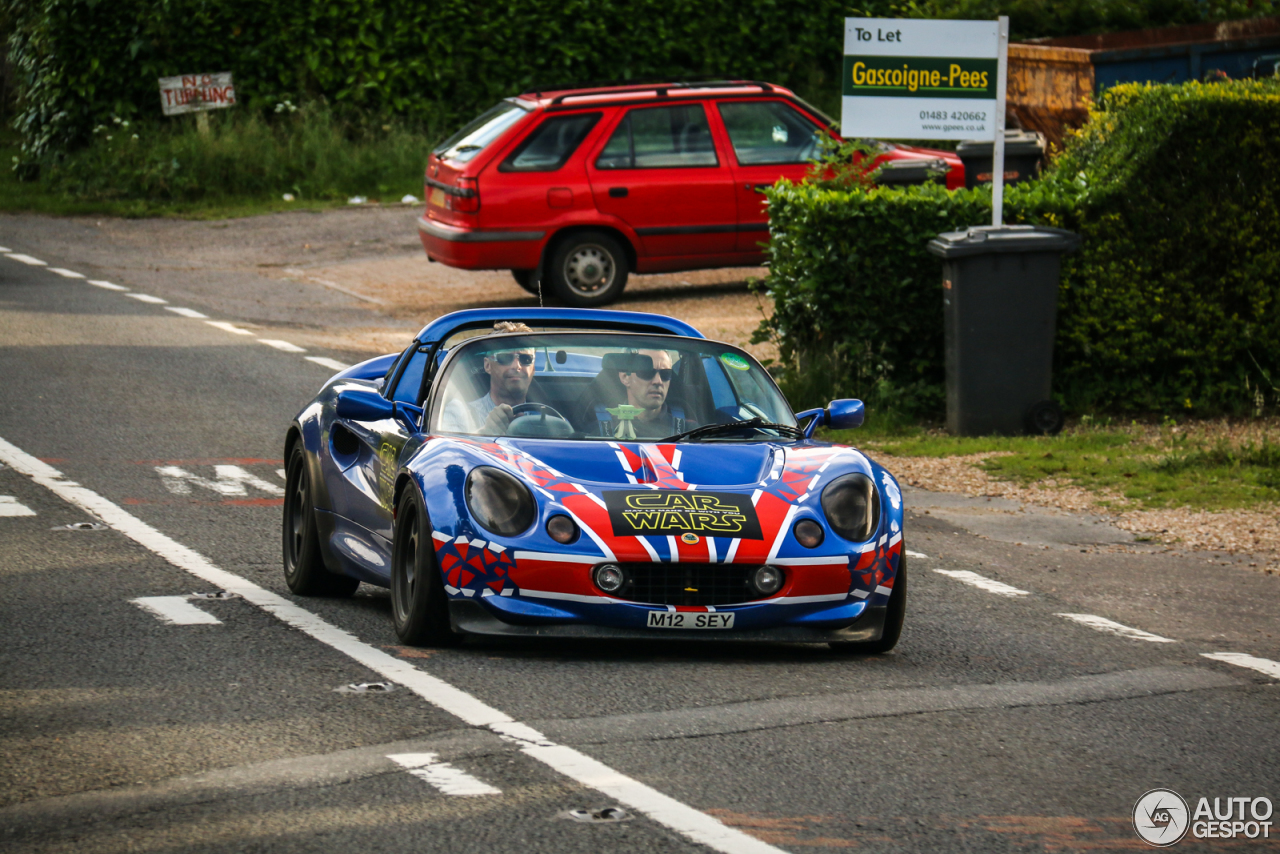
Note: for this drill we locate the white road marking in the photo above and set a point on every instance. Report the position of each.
(666, 810)
(26, 259)
(228, 327)
(228, 480)
(1240, 659)
(281, 345)
(111, 286)
(176, 611)
(442, 775)
(1102, 624)
(283, 475)
(5, 250)
(921, 555)
(68, 274)
(326, 362)
(981, 581)
(10, 506)
(148, 298)
(186, 312)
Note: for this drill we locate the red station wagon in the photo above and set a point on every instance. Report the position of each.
(577, 188)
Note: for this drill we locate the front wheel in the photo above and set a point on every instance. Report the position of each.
(893, 618)
(418, 606)
(304, 569)
(588, 269)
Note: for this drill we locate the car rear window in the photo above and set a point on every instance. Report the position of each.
(484, 129)
(551, 144)
(658, 137)
(769, 132)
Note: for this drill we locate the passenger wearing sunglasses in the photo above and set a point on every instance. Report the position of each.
(510, 373)
(647, 388)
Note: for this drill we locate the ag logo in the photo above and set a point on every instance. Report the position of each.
(1161, 818)
(689, 539)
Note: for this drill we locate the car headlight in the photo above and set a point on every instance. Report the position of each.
(499, 502)
(852, 505)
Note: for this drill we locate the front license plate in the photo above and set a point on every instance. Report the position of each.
(689, 620)
(436, 198)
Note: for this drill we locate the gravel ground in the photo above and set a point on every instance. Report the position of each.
(1253, 532)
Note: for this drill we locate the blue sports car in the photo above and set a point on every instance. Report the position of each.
(576, 473)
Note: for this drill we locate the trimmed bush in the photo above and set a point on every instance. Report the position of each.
(1173, 305)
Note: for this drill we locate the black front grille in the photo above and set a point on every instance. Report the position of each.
(688, 583)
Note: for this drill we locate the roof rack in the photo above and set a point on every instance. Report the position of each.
(661, 87)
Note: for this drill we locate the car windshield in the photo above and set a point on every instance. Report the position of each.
(608, 387)
(472, 139)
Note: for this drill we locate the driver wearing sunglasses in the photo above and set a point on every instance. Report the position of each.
(647, 388)
(510, 373)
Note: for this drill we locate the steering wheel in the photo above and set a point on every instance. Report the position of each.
(530, 408)
(551, 425)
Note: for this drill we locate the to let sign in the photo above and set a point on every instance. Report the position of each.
(919, 79)
(191, 93)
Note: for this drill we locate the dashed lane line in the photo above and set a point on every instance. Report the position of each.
(10, 506)
(186, 312)
(176, 611)
(1102, 624)
(442, 775)
(694, 825)
(228, 327)
(920, 555)
(982, 582)
(148, 298)
(283, 346)
(326, 362)
(1240, 659)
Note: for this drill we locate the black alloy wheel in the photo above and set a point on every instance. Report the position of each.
(588, 269)
(893, 618)
(1044, 418)
(304, 569)
(418, 605)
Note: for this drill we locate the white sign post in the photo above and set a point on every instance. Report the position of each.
(197, 93)
(928, 79)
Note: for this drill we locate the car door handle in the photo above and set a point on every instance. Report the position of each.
(618, 192)
(756, 187)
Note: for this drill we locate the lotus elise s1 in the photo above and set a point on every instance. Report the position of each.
(576, 473)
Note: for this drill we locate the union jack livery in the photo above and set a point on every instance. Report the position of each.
(577, 473)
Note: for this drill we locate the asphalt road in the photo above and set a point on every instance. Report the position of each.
(998, 724)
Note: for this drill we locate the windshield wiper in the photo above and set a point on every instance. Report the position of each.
(756, 423)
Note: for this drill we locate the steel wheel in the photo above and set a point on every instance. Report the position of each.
(589, 269)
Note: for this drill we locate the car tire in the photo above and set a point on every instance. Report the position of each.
(893, 619)
(418, 605)
(304, 569)
(526, 280)
(588, 269)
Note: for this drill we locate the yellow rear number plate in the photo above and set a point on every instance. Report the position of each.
(689, 620)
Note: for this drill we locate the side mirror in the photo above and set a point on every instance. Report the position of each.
(359, 404)
(844, 414)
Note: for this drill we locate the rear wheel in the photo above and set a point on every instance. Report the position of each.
(526, 280)
(304, 569)
(893, 618)
(588, 269)
(418, 605)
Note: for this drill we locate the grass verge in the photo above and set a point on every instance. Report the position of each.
(243, 166)
(1205, 465)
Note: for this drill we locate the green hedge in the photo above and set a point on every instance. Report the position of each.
(1173, 305)
(83, 61)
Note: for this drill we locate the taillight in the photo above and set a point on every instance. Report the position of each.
(469, 200)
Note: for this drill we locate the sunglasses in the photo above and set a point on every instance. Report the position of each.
(647, 374)
(526, 359)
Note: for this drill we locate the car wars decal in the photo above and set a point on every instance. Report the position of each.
(637, 513)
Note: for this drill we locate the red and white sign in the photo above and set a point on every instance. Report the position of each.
(192, 93)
